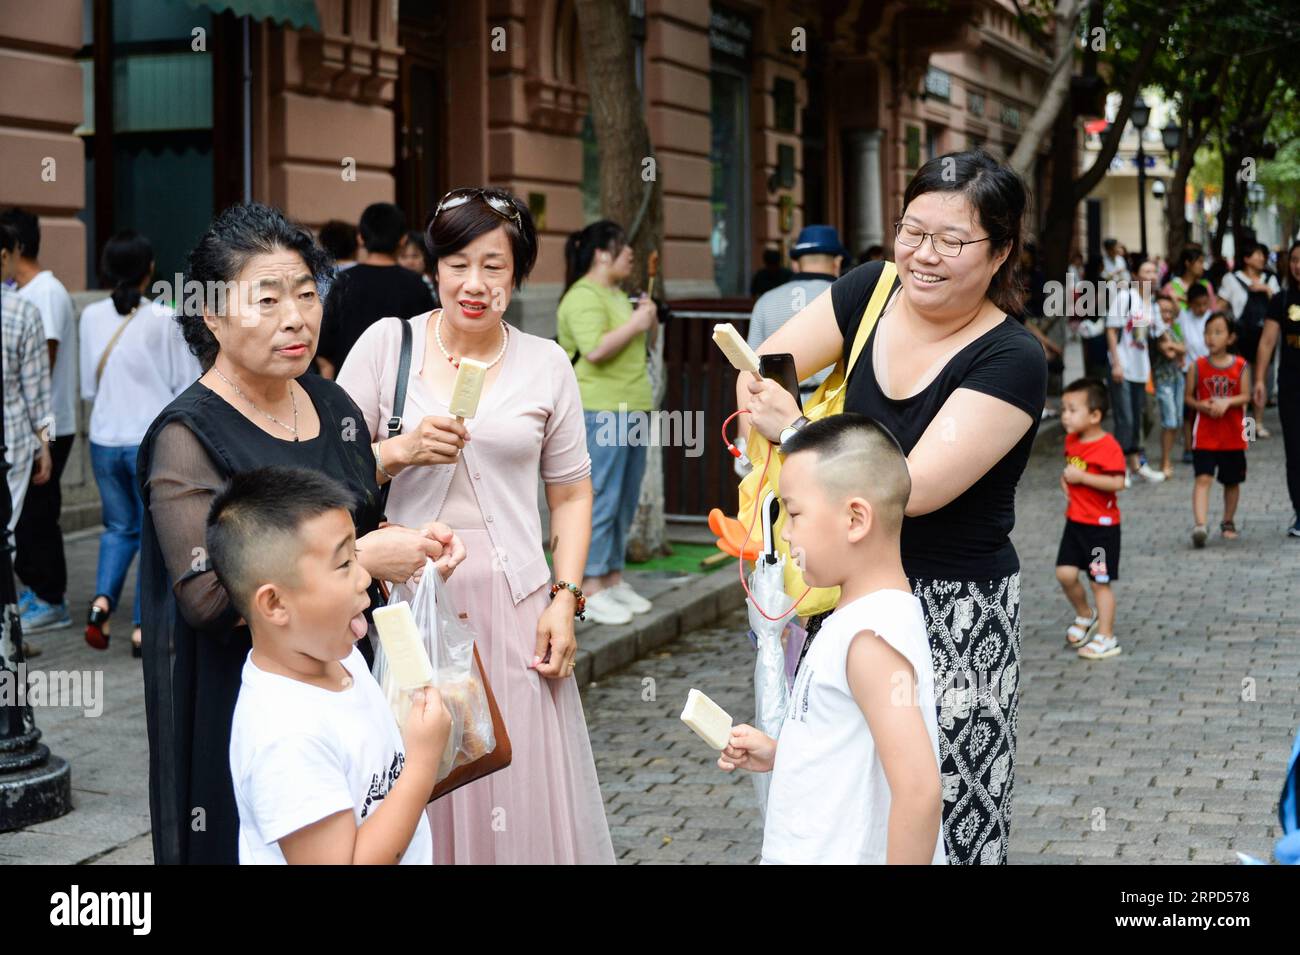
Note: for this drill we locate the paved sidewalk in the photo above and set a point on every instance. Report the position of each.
(1173, 752)
(1150, 757)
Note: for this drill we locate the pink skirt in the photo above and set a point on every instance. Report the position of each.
(545, 807)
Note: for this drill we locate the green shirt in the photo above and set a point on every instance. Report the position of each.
(586, 313)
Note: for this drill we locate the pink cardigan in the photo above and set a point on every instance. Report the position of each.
(529, 425)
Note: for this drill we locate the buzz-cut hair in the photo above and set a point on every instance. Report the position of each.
(254, 523)
(858, 457)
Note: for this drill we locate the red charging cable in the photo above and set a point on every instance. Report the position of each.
(749, 533)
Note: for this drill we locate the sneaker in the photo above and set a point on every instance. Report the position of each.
(605, 608)
(1200, 534)
(1128, 480)
(1151, 474)
(629, 598)
(1100, 647)
(25, 600)
(1187, 457)
(41, 616)
(1294, 529)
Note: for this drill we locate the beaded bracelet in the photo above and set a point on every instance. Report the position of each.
(579, 610)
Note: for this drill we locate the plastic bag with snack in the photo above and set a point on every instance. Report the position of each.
(448, 641)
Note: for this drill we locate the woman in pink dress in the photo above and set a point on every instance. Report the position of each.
(481, 478)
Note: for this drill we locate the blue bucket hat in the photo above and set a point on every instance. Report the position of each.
(818, 240)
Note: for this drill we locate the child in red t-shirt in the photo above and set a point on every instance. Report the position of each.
(1094, 474)
(1218, 390)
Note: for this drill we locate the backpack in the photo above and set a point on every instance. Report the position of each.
(761, 487)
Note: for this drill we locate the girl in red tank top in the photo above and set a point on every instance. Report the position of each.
(1225, 433)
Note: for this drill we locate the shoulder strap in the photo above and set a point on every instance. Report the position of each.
(112, 342)
(394, 424)
(403, 377)
(876, 304)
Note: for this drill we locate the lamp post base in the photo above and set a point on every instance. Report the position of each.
(38, 788)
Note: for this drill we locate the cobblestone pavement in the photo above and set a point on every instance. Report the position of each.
(1158, 745)
(1172, 752)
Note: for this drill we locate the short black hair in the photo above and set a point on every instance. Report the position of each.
(382, 225)
(998, 195)
(8, 238)
(339, 239)
(1096, 392)
(235, 236)
(28, 228)
(454, 228)
(1186, 256)
(1228, 320)
(1197, 291)
(881, 464)
(254, 521)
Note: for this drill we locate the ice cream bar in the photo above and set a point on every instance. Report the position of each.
(403, 649)
(468, 387)
(736, 349)
(710, 721)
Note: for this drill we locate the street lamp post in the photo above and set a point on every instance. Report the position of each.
(34, 785)
(1141, 114)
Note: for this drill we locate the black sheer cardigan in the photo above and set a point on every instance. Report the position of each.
(194, 645)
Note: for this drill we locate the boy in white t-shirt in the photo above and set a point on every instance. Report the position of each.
(855, 774)
(320, 771)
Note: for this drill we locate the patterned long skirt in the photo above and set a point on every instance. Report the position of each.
(974, 633)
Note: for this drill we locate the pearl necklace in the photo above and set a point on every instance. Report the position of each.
(455, 362)
(292, 429)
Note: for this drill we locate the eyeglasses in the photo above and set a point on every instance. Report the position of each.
(498, 203)
(944, 244)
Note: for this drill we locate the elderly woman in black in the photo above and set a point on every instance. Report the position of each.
(961, 385)
(251, 315)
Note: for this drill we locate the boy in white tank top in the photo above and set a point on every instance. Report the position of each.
(855, 777)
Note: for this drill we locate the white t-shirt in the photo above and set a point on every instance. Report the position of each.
(148, 367)
(300, 753)
(57, 312)
(829, 799)
(1235, 290)
(1114, 270)
(1138, 323)
(1193, 329)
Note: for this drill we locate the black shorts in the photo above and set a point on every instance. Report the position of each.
(1231, 465)
(1091, 547)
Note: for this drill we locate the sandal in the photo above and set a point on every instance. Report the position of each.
(1229, 530)
(1081, 631)
(96, 635)
(1100, 648)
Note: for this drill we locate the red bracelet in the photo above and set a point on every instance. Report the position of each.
(578, 611)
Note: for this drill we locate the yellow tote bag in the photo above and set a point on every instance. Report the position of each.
(827, 400)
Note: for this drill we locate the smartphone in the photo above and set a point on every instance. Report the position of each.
(780, 368)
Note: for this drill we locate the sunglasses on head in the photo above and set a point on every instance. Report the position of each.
(498, 203)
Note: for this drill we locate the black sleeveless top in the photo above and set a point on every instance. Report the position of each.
(192, 676)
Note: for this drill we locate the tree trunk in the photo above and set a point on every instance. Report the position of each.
(1065, 22)
(630, 194)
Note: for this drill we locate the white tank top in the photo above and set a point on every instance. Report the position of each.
(829, 801)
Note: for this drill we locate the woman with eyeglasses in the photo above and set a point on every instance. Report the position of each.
(961, 385)
(480, 477)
